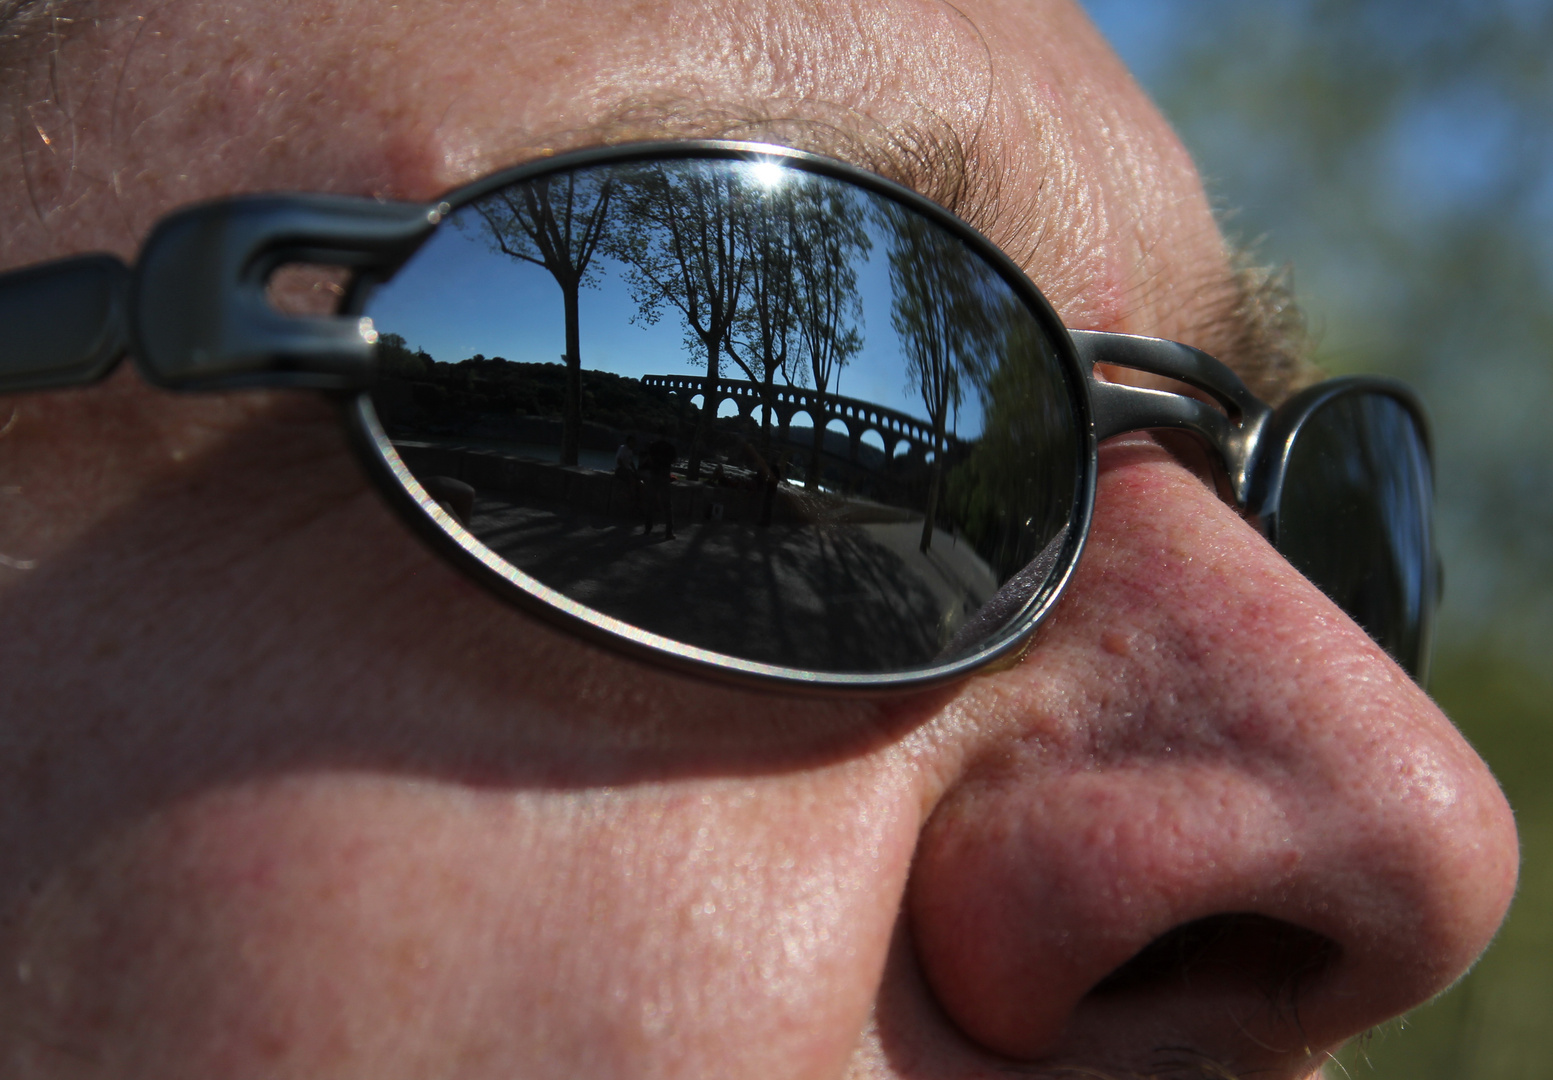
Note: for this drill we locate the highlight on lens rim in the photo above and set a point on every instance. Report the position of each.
(747, 407)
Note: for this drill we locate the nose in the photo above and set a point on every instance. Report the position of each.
(1214, 823)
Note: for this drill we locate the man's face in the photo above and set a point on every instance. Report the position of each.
(281, 794)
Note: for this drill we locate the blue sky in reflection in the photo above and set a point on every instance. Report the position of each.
(457, 298)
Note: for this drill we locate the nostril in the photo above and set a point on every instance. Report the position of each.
(1241, 952)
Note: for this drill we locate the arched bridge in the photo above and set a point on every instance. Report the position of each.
(857, 416)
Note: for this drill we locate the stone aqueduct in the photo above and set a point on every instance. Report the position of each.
(857, 416)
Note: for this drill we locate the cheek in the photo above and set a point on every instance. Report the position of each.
(307, 922)
(303, 796)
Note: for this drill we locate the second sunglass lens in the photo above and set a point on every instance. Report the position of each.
(1355, 517)
(744, 406)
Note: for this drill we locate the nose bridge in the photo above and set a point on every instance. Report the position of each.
(1216, 816)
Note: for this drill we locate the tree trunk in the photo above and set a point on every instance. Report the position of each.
(768, 396)
(934, 484)
(818, 415)
(571, 402)
(709, 405)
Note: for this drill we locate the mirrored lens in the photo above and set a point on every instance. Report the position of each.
(1355, 516)
(750, 408)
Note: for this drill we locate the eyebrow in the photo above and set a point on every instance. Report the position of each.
(1261, 330)
(937, 162)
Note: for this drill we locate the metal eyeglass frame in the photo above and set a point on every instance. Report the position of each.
(194, 314)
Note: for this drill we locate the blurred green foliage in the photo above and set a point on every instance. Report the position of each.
(1399, 154)
(1494, 1025)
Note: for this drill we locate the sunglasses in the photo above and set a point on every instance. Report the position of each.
(741, 409)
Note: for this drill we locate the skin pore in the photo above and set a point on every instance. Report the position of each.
(283, 795)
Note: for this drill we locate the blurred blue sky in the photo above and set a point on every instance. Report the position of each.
(1399, 156)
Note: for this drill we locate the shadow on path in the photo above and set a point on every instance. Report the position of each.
(832, 597)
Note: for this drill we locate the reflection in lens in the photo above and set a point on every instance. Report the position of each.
(1354, 517)
(744, 406)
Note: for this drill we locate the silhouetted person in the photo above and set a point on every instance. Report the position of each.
(626, 461)
(660, 458)
(627, 475)
(771, 479)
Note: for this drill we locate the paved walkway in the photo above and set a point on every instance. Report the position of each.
(833, 597)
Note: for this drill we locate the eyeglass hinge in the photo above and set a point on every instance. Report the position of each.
(1119, 408)
(200, 318)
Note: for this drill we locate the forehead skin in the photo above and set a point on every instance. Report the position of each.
(285, 796)
(1014, 114)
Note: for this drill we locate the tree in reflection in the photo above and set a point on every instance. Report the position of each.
(1013, 492)
(556, 222)
(762, 273)
(764, 331)
(685, 246)
(948, 308)
(828, 243)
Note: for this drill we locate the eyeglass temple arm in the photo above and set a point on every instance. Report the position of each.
(63, 323)
(194, 311)
(1119, 408)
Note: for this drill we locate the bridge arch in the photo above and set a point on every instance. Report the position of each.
(899, 435)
